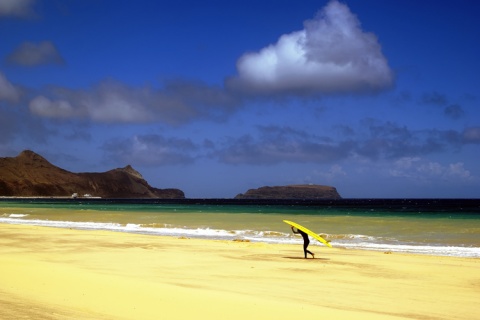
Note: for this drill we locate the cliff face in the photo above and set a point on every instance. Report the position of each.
(297, 192)
(29, 174)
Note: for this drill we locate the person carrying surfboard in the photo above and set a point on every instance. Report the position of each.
(306, 241)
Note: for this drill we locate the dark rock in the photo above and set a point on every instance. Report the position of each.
(297, 192)
(30, 175)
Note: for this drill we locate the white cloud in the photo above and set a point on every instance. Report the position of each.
(113, 101)
(8, 92)
(110, 102)
(45, 107)
(431, 169)
(16, 8)
(415, 168)
(31, 54)
(457, 170)
(330, 55)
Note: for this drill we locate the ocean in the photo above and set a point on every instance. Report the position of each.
(442, 227)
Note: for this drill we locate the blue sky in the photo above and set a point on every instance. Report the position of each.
(377, 98)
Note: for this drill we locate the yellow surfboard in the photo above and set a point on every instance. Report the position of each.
(309, 232)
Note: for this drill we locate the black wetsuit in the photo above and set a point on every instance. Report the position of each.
(306, 242)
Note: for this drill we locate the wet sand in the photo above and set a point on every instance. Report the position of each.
(49, 273)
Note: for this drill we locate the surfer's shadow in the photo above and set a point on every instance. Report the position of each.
(300, 258)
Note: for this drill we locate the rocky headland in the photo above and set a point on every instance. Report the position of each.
(31, 175)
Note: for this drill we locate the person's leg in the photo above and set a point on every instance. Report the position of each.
(306, 242)
(305, 251)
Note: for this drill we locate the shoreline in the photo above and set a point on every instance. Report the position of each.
(279, 237)
(400, 204)
(50, 197)
(54, 273)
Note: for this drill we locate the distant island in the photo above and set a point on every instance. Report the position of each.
(30, 175)
(292, 192)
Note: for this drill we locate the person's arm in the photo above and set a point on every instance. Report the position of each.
(293, 230)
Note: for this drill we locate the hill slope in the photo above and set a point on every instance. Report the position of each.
(29, 174)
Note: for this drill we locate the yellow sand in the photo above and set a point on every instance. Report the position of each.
(48, 273)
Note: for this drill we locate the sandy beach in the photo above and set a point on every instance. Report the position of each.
(49, 273)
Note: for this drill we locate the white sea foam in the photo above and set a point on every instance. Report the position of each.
(468, 252)
(14, 215)
(17, 215)
(349, 241)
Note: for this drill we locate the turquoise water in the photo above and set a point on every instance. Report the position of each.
(449, 231)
